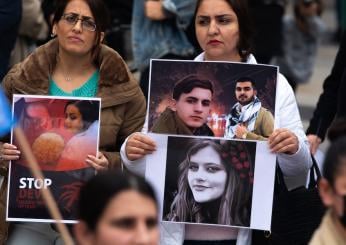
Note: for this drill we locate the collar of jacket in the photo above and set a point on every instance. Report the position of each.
(116, 85)
(170, 123)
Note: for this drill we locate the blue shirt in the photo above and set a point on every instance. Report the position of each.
(88, 89)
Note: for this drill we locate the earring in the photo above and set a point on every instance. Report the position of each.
(52, 35)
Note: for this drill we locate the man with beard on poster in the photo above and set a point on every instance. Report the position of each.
(188, 114)
(248, 119)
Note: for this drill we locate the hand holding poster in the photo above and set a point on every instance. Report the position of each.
(213, 181)
(62, 132)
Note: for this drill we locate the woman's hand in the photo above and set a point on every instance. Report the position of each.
(99, 163)
(9, 152)
(314, 141)
(283, 141)
(138, 145)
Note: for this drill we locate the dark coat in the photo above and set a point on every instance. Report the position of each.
(10, 15)
(332, 99)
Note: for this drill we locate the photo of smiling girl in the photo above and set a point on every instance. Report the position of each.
(214, 181)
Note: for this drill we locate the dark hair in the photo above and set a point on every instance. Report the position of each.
(335, 158)
(188, 83)
(241, 9)
(337, 129)
(307, 3)
(229, 210)
(88, 109)
(246, 79)
(99, 12)
(98, 192)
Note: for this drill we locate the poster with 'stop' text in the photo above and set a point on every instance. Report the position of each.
(62, 132)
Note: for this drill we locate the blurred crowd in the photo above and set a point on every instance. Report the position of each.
(37, 57)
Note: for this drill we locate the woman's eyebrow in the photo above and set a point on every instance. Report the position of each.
(213, 163)
(217, 16)
(123, 221)
(82, 16)
(224, 15)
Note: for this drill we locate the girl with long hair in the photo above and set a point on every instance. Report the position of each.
(209, 187)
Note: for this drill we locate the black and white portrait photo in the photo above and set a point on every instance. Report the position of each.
(214, 181)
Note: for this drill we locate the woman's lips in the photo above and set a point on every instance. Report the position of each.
(200, 187)
(196, 118)
(75, 39)
(214, 42)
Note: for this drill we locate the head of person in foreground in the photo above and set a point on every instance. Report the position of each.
(117, 208)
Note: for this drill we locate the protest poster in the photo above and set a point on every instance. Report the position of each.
(212, 181)
(240, 95)
(61, 131)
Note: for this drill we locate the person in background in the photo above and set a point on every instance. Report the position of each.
(337, 129)
(340, 14)
(331, 103)
(33, 27)
(10, 15)
(76, 63)
(116, 35)
(301, 35)
(332, 189)
(158, 32)
(267, 19)
(126, 211)
(223, 32)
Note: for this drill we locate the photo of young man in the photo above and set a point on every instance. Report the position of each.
(248, 119)
(189, 110)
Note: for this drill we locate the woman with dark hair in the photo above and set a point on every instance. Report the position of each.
(81, 122)
(125, 212)
(80, 114)
(209, 188)
(76, 63)
(224, 34)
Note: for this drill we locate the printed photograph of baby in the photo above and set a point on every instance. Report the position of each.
(209, 181)
(222, 99)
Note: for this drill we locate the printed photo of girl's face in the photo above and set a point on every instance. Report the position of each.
(73, 119)
(207, 175)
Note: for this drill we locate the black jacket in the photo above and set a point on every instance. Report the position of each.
(332, 101)
(10, 15)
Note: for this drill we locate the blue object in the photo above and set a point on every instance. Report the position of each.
(5, 115)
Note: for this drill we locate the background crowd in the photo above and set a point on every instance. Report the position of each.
(290, 34)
